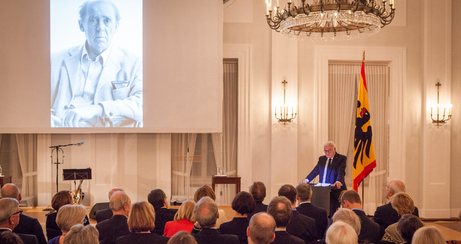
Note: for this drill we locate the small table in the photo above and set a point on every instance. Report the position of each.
(1, 180)
(232, 179)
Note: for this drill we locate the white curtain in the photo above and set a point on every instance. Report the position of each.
(343, 83)
(27, 151)
(182, 155)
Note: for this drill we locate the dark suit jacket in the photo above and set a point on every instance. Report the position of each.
(386, 215)
(238, 227)
(30, 226)
(213, 236)
(111, 229)
(303, 227)
(103, 214)
(260, 207)
(163, 215)
(27, 239)
(282, 237)
(142, 238)
(369, 230)
(317, 213)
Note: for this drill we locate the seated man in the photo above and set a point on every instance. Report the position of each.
(206, 214)
(300, 225)
(162, 214)
(104, 214)
(258, 191)
(304, 194)
(116, 226)
(340, 232)
(350, 199)
(280, 209)
(386, 215)
(261, 229)
(9, 219)
(27, 225)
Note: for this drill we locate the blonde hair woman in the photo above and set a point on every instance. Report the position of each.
(183, 220)
(68, 216)
(403, 204)
(82, 234)
(428, 235)
(141, 221)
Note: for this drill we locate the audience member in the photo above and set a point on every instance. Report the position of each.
(116, 226)
(341, 233)
(304, 193)
(206, 214)
(243, 204)
(258, 191)
(68, 216)
(8, 237)
(183, 220)
(349, 217)
(407, 226)
(350, 199)
(428, 235)
(104, 214)
(261, 229)
(386, 215)
(403, 204)
(162, 214)
(300, 225)
(207, 191)
(80, 234)
(27, 225)
(281, 211)
(59, 199)
(9, 219)
(141, 221)
(182, 237)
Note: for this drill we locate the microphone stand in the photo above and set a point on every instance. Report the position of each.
(57, 149)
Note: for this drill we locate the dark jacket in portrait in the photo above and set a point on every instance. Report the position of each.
(163, 215)
(30, 226)
(318, 214)
(142, 238)
(370, 229)
(103, 214)
(238, 227)
(213, 236)
(111, 229)
(303, 227)
(386, 215)
(282, 237)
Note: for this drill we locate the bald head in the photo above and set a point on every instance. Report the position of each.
(120, 203)
(261, 229)
(393, 187)
(10, 190)
(115, 189)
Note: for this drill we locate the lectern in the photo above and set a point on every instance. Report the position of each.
(321, 197)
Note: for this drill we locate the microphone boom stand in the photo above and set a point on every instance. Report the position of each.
(57, 149)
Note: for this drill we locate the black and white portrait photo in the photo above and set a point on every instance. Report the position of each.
(96, 63)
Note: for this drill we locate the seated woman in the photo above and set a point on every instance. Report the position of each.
(183, 220)
(82, 234)
(428, 235)
(207, 191)
(68, 216)
(182, 237)
(403, 204)
(141, 221)
(59, 199)
(243, 204)
(407, 226)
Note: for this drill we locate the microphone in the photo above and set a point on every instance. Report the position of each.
(80, 143)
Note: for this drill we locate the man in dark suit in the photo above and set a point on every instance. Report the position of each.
(258, 191)
(280, 209)
(111, 229)
(27, 225)
(104, 214)
(261, 229)
(300, 225)
(9, 219)
(386, 215)
(369, 229)
(304, 193)
(162, 214)
(331, 169)
(206, 214)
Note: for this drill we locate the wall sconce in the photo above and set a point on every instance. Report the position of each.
(284, 116)
(440, 119)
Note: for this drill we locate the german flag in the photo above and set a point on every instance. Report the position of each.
(364, 150)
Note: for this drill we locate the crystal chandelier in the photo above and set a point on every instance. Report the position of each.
(330, 19)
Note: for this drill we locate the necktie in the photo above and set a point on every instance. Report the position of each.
(326, 170)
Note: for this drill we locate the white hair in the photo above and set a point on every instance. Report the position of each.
(341, 233)
(329, 143)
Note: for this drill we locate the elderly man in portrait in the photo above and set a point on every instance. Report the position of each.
(96, 84)
(9, 219)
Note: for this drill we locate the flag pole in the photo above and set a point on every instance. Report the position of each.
(363, 59)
